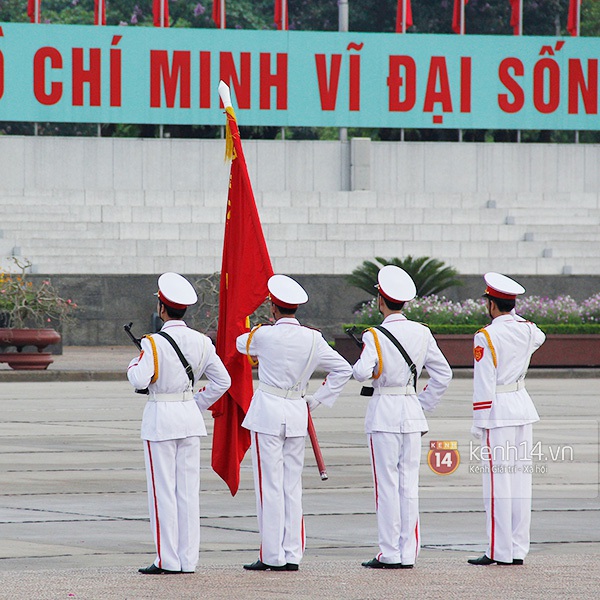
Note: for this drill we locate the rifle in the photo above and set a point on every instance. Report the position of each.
(351, 333)
(136, 341)
(366, 390)
(138, 344)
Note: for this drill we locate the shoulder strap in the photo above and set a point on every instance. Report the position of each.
(407, 358)
(307, 367)
(184, 362)
(529, 349)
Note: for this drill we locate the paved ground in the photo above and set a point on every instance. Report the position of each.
(73, 516)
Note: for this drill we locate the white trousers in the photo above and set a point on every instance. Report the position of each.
(507, 490)
(395, 459)
(278, 462)
(173, 478)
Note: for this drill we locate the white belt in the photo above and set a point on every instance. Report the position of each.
(289, 394)
(511, 387)
(178, 397)
(407, 390)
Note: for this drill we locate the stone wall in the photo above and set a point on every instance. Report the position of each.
(105, 216)
(144, 206)
(110, 301)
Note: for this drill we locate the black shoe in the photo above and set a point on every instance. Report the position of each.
(154, 570)
(291, 567)
(485, 561)
(261, 566)
(517, 561)
(375, 564)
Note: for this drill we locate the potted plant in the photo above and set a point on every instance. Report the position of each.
(27, 313)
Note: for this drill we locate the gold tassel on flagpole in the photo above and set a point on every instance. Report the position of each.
(229, 149)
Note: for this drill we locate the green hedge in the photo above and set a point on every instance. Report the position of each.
(556, 329)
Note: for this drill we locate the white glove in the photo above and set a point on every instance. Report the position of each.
(477, 432)
(312, 403)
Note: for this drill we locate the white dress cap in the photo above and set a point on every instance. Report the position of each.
(176, 291)
(501, 286)
(286, 292)
(396, 284)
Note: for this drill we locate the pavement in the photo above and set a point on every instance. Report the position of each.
(73, 506)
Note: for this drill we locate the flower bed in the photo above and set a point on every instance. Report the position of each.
(572, 328)
(439, 311)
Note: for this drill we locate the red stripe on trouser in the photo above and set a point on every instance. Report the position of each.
(374, 474)
(259, 471)
(492, 516)
(303, 536)
(155, 505)
(417, 535)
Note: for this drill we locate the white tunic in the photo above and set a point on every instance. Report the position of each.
(514, 341)
(176, 420)
(394, 413)
(283, 350)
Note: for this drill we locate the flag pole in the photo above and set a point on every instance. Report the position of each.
(316, 449)
(520, 33)
(283, 28)
(222, 26)
(578, 26)
(403, 31)
(462, 32)
(520, 17)
(343, 27)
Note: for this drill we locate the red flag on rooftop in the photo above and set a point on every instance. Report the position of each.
(515, 16)
(99, 12)
(281, 7)
(400, 26)
(457, 16)
(246, 268)
(160, 10)
(34, 10)
(218, 12)
(574, 16)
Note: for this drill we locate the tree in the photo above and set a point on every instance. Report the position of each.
(429, 274)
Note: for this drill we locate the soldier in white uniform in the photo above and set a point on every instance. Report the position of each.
(395, 420)
(287, 355)
(172, 425)
(503, 414)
